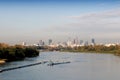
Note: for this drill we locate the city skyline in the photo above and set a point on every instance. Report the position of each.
(33, 20)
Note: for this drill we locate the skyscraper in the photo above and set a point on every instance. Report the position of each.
(41, 43)
(24, 43)
(81, 42)
(86, 43)
(49, 41)
(93, 41)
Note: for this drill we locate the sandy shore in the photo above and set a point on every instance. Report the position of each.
(2, 61)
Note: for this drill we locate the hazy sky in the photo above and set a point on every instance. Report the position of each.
(33, 20)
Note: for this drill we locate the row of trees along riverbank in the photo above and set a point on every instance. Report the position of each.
(17, 52)
(96, 49)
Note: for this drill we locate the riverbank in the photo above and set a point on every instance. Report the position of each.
(95, 49)
(2, 61)
(14, 53)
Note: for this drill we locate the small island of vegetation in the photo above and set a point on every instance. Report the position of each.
(17, 52)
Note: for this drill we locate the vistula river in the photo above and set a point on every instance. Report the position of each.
(82, 66)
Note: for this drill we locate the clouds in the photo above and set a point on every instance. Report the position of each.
(106, 19)
(103, 18)
(101, 15)
(101, 25)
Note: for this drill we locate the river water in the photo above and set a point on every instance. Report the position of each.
(83, 66)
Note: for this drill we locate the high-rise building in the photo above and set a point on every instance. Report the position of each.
(73, 41)
(86, 43)
(49, 41)
(41, 43)
(81, 42)
(24, 43)
(93, 41)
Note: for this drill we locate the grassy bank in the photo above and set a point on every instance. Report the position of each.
(95, 49)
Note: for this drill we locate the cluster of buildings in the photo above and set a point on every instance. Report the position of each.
(72, 43)
(69, 43)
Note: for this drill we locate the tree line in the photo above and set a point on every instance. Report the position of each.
(96, 49)
(17, 52)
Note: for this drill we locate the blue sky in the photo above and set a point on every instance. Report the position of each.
(33, 20)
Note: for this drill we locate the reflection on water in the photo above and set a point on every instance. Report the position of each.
(83, 66)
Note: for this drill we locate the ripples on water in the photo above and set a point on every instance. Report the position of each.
(83, 66)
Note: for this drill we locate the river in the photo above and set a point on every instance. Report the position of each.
(82, 66)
